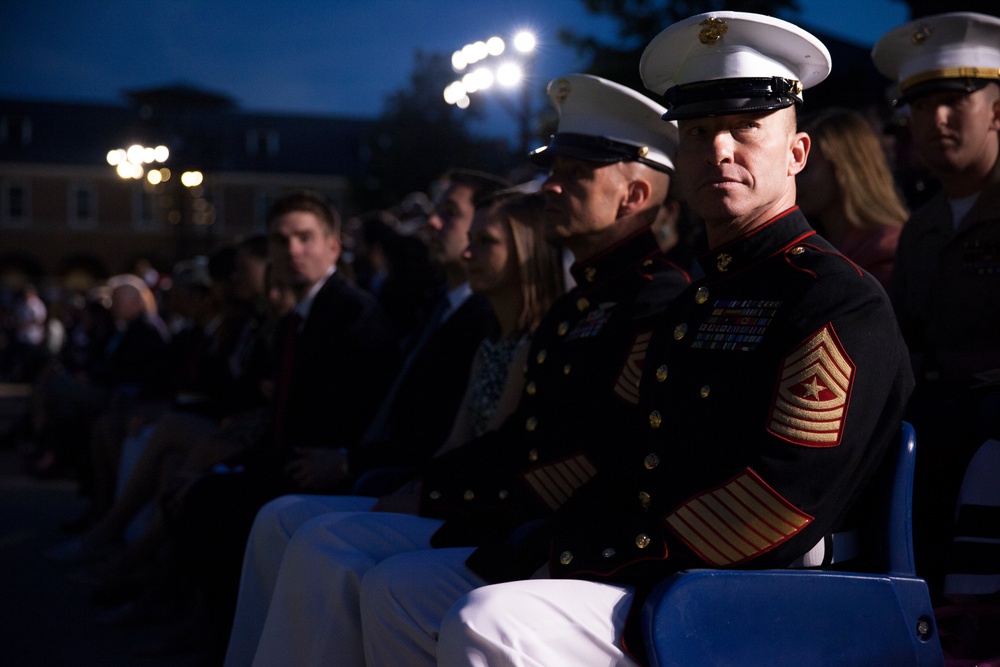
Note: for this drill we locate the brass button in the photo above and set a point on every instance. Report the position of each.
(680, 331)
(608, 553)
(533, 455)
(797, 250)
(541, 357)
(566, 557)
(590, 274)
(435, 495)
(643, 151)
(655, 419)
(705, 391)
(661, 373)
(651, 461)
(645, 499)
(562, 328)
(530, 388)
(503, 494)
(701, 296)
(647, 262)
(566, 369)
(530, 424)
(469, 494)
(582, 304)
(642, 540)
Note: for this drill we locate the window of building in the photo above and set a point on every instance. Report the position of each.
(82, 206)
(263, 142)
(15, 130)
(16, 204)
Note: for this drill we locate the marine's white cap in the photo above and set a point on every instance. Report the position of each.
(955, 51)
(605, 122)
(732, 62)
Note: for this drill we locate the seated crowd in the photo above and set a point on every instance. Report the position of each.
(543, 397)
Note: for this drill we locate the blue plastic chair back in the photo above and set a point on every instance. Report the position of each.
(811, 617)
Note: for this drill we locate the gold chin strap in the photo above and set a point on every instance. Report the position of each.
(951, 73)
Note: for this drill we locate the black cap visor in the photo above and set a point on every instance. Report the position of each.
(722, 97)
(966, 85)
(590, 148)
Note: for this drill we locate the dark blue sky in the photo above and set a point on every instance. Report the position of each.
(305, 56)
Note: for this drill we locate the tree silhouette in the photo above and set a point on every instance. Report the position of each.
(419, 136)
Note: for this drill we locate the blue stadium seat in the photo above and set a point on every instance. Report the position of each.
(806, 617)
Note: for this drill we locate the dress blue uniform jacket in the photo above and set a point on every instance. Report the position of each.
(581, 386)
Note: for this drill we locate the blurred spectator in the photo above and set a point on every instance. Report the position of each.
(847, 190)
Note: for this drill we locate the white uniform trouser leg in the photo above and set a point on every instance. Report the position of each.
(537, 623)
(403, 600)
(314, 615)
(272, 529)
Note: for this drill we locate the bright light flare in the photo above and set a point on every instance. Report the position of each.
(524, 41)
(459, 61)
(154, 177)
(454, 92)
(192, 179)
(495, 46)
(509, 75)
(161, 153)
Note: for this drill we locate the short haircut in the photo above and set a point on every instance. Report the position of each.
(310, 202)
(482, 184)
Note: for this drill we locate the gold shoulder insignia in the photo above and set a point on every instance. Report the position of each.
(814, 388)
(627, 385)
(737, 521)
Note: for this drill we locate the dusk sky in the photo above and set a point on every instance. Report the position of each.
(326, 57)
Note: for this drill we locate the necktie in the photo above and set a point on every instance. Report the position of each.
(283, 385)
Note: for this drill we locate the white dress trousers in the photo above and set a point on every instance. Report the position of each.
(272, 529)
(537, 623)
(314, 614)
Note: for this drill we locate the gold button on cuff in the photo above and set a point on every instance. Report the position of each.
(608, 553)
(645, 499)
(503, 494)
(655, 419)
(680, 331)
(705, 391)
(797, 250)
(647, 262)
(541, 357)
(530, 424)
(582, 304)
(566, 369)
(530, 388)
(566, 557)
(701, 296)
(469, 495)
(651, 461)
(533, 455)
(590, 274)
(562, 328)
(642, 540)
(661, 373)
(434, 495)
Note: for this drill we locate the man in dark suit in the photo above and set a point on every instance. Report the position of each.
(335, 359)
(414, 419)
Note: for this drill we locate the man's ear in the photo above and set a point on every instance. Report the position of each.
(798, 152)
(636, 196)
(995, 121)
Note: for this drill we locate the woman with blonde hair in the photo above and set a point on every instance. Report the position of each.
(847, 190)
(509, 261)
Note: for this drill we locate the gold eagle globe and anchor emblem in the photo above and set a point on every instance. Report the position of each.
(712, 31)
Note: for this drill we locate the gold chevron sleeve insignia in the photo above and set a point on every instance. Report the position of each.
(737, 521)
(814, 388)
(627, 385)
(554, 483)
